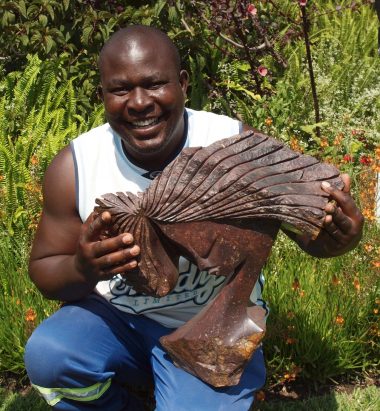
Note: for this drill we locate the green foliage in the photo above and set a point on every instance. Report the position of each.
(324, 318)
(21, 305)
(70, 30)
(38, 116)
(347, 70)
(28, 401)
(361, 399)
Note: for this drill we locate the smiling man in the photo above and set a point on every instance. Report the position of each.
(105, 336)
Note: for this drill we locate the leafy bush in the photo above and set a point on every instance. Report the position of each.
(69, 30)
(37, 118)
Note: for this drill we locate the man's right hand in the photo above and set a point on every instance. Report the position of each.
(69, 257)
(99, 257)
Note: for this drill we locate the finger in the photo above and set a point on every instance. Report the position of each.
(122, 269)
(347, 182)
(110, 245)
(343, 199)
(96, 226)
(342, 221)
(335, 233)
(118, 257)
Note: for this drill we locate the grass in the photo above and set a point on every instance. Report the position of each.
(361, 399)
(13, 401)
(324, 313)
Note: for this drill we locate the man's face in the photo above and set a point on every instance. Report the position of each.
(144, 98)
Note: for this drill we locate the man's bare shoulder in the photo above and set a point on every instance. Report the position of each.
(59, 183)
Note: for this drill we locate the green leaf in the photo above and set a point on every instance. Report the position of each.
(237, 87)
(310, 128)
(158, 7)
(66, 4)
(49, 43)
(43, 20)
(24, 39)
(355, 147)
(50, 10)
(86, 34)
(22, 8)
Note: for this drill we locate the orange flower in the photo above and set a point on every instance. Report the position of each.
(268, 121)
(324, 142)
(376, 264)
(338, 139)
(290, 315)
(295, 145)
(296, 284)
(356, 284)
(291, 340)
(376, 311)
(34, 160)
(260, 395)
(335, 280)
(302, 293)
(292, 374)
(339, 319)
(288, 377)
(30, 315)
(368, 247)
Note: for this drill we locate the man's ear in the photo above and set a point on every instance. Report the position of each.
(184, 80)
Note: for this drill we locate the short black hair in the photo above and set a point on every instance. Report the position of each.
(141, 31)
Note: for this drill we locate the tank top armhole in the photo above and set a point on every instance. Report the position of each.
(76, 175)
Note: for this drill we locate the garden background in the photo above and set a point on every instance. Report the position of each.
(306, 72)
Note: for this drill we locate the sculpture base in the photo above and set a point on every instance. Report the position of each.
(210, 359)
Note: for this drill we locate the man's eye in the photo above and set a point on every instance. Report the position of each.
(120, 91)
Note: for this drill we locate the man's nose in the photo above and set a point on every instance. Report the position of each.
(139, 100)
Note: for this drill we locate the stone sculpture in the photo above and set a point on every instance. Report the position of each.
(220, 206)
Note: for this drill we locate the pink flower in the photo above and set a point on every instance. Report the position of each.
(303, 3)
(252, 10)
(262, 70)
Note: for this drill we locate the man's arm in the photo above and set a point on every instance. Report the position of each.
(343, 224)
(68, 258)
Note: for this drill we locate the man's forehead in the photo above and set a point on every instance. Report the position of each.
(137, 45)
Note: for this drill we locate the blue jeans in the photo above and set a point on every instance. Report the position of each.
(84, 356)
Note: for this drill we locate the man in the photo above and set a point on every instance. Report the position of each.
(106, 335)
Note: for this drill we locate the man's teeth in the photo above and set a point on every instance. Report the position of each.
(144, 123)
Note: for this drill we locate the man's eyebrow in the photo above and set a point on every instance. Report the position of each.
(117, 81)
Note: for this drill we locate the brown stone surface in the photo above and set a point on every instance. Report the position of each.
(220, 206)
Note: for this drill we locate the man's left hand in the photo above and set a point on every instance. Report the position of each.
(343, 224)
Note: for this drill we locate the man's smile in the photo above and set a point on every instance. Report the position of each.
(145, 123)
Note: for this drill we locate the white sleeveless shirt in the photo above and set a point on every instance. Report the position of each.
(102, 167)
